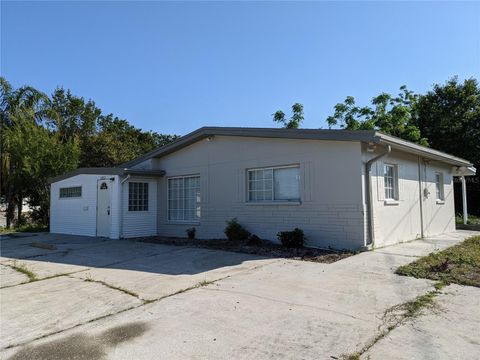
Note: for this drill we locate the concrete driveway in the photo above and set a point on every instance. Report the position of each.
(115, 299)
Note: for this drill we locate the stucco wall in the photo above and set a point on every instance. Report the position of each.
(79, 215)
(401, 221)
(438, 218)
(331, 209)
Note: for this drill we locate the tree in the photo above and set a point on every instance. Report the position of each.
(72, 117)
(449, 116)
(391, 115)
(295, 121)
(36, 154)
(41, 137)
(24, 102)
(116, 142)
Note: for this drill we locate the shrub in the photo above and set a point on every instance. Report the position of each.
(254, 240)
(191, 232)
(292, 239)
(235, 231)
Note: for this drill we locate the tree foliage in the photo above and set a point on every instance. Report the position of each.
(446, 118)
(449, 116)
(43, 136)
(392, 115)
(295, 121)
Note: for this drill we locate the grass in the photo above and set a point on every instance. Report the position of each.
(24, 228)
(472, 219)
(414, 307)
(126, 291)
(24, 270)
(398, 315)
(459, 264)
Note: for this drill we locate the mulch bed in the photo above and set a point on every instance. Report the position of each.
(262, 248)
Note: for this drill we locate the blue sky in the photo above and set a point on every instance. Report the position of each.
(172, 67)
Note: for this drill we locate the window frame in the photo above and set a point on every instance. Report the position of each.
(395, 187)
(272, 168)
(70, 197)
(439, 187)
(198, 204)
(131, 207)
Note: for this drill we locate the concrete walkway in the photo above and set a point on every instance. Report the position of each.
(150, 301)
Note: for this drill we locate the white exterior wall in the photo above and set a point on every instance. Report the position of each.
(331, 209)
(78, 216)
(140, 223)
(438, 218)
(401, 221)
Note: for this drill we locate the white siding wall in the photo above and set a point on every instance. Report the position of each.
(331, 209)
(78, 216)
(140, 223)
(438, 218)
(402, 221)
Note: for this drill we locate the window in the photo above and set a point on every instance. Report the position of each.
(390, 182)
(274, 184)
(137, 196)
(184, 198)
(71, 192)
(439, 186)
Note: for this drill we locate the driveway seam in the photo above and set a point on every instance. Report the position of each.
(144, 303)
(289, 303)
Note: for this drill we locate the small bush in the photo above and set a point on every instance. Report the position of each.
(191, 232)
(254, 240)
(292, 239)
(235, 231)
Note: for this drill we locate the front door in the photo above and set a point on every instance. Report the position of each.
(104, 213)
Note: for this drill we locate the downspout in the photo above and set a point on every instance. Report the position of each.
(420, 195)
(121, 205)
(464, 200)
(368, 168)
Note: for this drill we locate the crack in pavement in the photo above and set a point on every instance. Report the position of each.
(289, 303)
(144, 303)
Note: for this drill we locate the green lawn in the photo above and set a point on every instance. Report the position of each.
(459, 264)
(472, 219)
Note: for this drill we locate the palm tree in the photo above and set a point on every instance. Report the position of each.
(24, 101)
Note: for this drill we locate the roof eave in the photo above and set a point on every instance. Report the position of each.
(299, 134)
(423, 151)
(107, 171)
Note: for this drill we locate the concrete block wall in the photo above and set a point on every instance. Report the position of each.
(330, 211)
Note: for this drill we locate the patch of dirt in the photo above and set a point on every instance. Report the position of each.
(41, 245)
(262, 248)
(80, 346)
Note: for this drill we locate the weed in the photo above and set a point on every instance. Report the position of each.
(399, 314)
(413, 308)
(118, 288)
(459, 264)
(204, 283)
(24, 270)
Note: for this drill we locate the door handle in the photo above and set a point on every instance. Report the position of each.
(108, 210)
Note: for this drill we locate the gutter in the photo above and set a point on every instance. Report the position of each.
(368, 197)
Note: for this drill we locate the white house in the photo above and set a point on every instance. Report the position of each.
(345, 189)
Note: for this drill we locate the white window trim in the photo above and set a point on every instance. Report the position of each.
(183, 222)
(272, 202)
(440, 200)
(70, 198)
(396, 195)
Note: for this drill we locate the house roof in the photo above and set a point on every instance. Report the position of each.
(369, 136)
(107, 171)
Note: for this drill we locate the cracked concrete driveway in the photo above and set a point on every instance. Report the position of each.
(116, 299)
